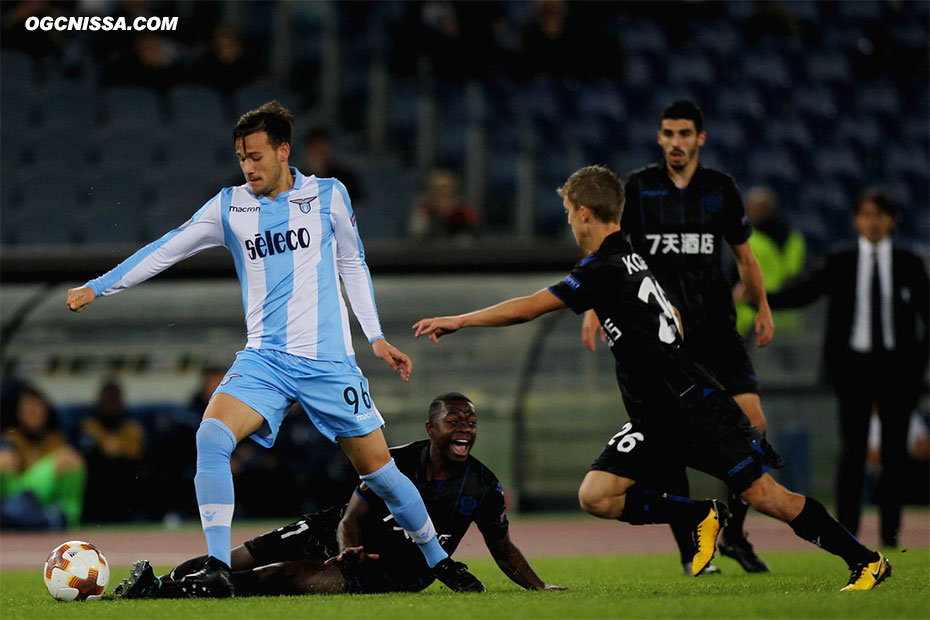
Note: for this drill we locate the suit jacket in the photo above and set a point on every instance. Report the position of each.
(836, 278)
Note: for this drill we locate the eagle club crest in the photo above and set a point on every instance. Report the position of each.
(304, 203)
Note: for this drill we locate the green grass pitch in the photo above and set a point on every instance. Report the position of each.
(802, 585)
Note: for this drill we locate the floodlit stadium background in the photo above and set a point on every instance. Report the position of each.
(816, 100)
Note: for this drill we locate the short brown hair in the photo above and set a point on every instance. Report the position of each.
(597, 188)
(272, 118)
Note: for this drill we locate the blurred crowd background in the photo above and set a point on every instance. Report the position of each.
(451, 124)
(814, 99)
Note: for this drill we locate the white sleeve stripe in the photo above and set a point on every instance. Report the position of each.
(202, 231)
(351, 264)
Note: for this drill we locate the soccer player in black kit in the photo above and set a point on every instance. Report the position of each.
(359, 548)
(679, 413)
(678, 215)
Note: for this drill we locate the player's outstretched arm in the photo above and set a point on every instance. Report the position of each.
(590, 329)
(79, 298)
(513, 564)
(394, 357)
(510, 312)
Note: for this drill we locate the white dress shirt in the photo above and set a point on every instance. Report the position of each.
(860, 340)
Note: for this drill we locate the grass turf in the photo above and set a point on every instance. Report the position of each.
(802, 585)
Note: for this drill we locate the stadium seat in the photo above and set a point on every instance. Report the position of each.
(194, 105)
(113, 221)
(643, 37)
(863, 131)
(741, 103)
(600, 100)
(826, 197)
(18, 112)
(186, 144)
(127, 143)
(729, 135)
(788, 132)
(720, 38)
(123, 184)
(837, 162)
(58, 147)
(907, 161)
(828, 68)
(136, 105)
(628, 160)
(773, 164)
(638, 75)
(767, 71)
(451, 144)
(815, 103)
(880, 98)
(804, 10)
(404, 108)
(68, 105)
(916, 130)
(693, 70)
(19, 70)
(45, 215)
(864, 10)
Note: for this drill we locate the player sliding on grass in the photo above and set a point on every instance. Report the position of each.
(366, 551)
(292, 238)
(679, 413)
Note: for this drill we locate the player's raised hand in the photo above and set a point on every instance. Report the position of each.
(764, 327)
(590, 329)
(394, 357)
(79, 298)
(436, 327)
(352, 554)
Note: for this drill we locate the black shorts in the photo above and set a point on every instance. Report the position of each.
(312, 539)
(714, 437)
(723, 352)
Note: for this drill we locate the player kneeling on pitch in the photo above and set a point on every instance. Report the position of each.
(679, 413)
(358, 548)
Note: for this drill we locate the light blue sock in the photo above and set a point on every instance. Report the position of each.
(214, 485)
(405, 503)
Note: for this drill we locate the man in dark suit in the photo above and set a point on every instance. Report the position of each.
(876, 351)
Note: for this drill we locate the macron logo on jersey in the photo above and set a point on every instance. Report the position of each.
(269, 243)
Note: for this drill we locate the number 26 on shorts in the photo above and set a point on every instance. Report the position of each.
(627, 442)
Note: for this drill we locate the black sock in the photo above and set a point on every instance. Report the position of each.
(683, 538)
(644, 506)
(733, 531)
(815, 525)
(247, 583)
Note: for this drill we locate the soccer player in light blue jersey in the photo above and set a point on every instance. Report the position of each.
(292, 238)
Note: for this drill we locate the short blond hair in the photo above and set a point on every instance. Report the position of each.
(597, 188)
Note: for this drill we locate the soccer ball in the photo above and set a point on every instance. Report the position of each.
(76, 571)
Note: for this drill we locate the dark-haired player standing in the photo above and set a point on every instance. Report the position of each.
(678, 215)
(679, 413)
(294, 243)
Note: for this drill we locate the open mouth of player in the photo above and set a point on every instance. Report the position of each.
(460, 447)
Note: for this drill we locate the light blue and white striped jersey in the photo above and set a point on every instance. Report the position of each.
(289, 254)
